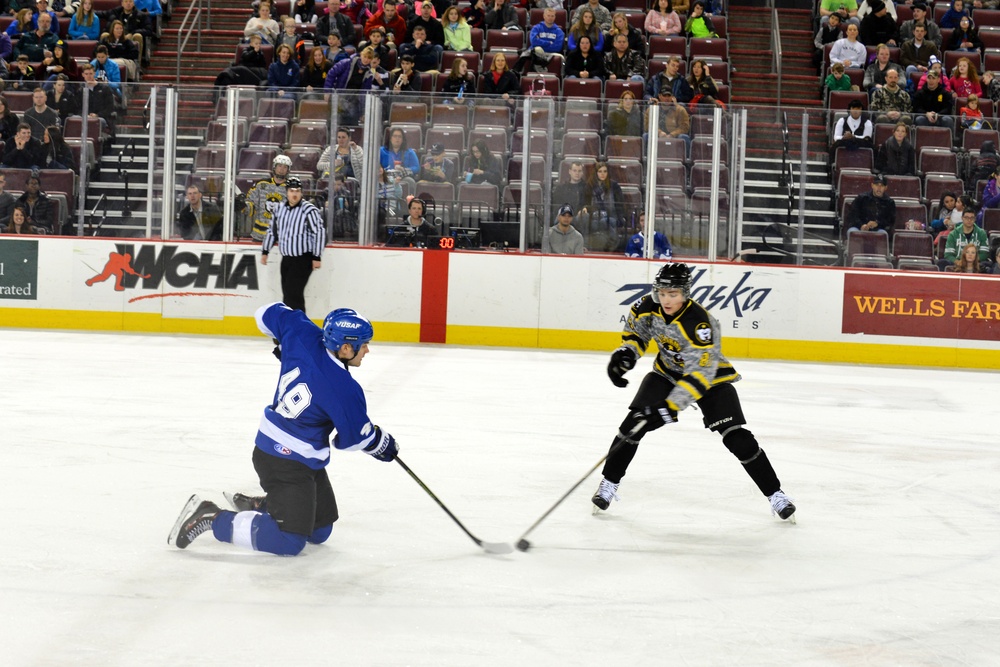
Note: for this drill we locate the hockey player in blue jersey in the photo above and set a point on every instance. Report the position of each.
(315, 396)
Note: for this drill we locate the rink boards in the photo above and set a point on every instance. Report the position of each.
(499, 299)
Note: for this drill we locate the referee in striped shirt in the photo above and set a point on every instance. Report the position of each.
(298, 230)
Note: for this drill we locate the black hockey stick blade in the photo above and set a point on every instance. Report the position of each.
(488, 547)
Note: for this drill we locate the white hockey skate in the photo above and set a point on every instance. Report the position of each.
(606, 492)
(782, 505)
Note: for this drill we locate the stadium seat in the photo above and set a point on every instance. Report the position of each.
(860, 158)
(909, 209)
(536, 173)
(256, 159)
(472, 59)
(541, 143)
(613, 90)
(478, 202)
(305, 135)
(929, 136)
(701, 150)
(951, 59)
(933, 160)
(492, 116)
(975, 138)
(270, 108)
(496, 139)
(312, 109)
(672, 175)
(661, 45)
(906, 187)
(623, 147)
(583, 89)
(912, 245)
(304, 159)
(268, 133)
(584, 120)
(549, 81)
(701, 176)
(217, 132)
(873, 244)
(450, 114)
(507, 40)
(245, 106)
(581, 144)
(671, 149)
(626, 172)
(840, 99)
(708, 47)
(210, 157)
(408, 112)
(452, 137)
(935, 185)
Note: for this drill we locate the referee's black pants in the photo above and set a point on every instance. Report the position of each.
(295, 272)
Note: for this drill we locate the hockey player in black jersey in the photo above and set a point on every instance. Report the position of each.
(690, 368)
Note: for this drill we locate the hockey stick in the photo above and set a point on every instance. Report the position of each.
(523, 544)
(489, 547)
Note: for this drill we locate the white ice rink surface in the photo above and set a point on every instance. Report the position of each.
(895, 559)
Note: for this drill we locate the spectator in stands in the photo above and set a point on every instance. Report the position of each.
(933, 105)
(102, 100)
(125, 52)
(22, 75)
(662, 19)
(562, 238)
(847, 9)
(934, 65)
(151, 7)
(347, 157)
(199, 220)
(361, 72)
(289, 38)
(968, 261)
(891, 103)
(946, 216)
(836, 79)
(674, 120)
(426, 56)
(601, 15)
(40, 116)
(481, 166)
(545, 40)
(915, 52)
(968, 233)
(875, 73)
(620, 26)
(895, 156)
(636, 245)
(605, 203)
(699, 23)
(313, 73)
(432, 27)
(42, 7)
(107, 71)
(584, 62)
(85, 24)
(965, 79)
(854, 130)
(848, 50)
(868, 7)
(252, 55)
(34, 44)
(22, 24)
(828, 33)
(965, 37)
(500, 14)
(357, 11)
(376, 40)
(21, 223)
(335, 19)
(457, 33)
(390, 195)
(396, 156)
(920, 17)
(625, 120)
(706, 91)
(953, 16)
(283, 74)
(972, 114)
(878, 27)
(991, 196)
(585, 25)
(6, 200)
(573, 191)
(475, 14)
(63, 99)
(420, 226)
(57, 152)
(437, 167)
(37, 204)
(460, 82)
(137, 27)
(60, 62)
(500, 81)
(406, 79)
(671, 79)
(8, 122)
(303, 11)
(395, 26)
(621, 62)
(262, 25)
(996, 260)
(873, 211)
(6, 49)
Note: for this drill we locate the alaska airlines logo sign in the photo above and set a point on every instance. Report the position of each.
(743, 297)
(155, 265)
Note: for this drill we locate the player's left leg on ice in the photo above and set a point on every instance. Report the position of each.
(606, 492)
(782, 505)
(244, 503)
(195, 519)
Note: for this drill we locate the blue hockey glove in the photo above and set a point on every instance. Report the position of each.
(384, 448)
(622, 361)
(655, 416)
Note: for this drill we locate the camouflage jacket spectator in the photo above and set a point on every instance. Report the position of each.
(884, 100)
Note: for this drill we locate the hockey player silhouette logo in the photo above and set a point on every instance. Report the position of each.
(118, 265)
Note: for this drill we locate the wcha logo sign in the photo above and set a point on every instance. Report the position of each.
(741, 297)
(179, 270)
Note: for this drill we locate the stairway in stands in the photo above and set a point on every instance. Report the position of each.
(755, 85)
(196, 105)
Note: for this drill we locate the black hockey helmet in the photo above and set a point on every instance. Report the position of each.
(293, 183)
(675, 275)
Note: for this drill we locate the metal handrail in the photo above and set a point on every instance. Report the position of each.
(186, 30)
(776, 52)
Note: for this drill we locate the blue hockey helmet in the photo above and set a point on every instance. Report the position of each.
(344, 325)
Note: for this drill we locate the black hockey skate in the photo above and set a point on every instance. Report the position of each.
(606, 492)
(782, 505)
(195, 519)
(245, 503)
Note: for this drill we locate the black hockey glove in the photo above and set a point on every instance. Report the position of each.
(384, 448)
(622, 361)
(655, 416)
(277, 349)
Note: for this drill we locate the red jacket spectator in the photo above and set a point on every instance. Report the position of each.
(392, 22)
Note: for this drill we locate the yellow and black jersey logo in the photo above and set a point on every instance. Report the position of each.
(703, 333)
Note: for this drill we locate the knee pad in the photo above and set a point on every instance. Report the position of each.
(741, 443)
(267, 536)
(320, 535)
(630, 423)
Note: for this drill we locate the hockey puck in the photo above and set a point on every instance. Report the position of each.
(523, 545)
